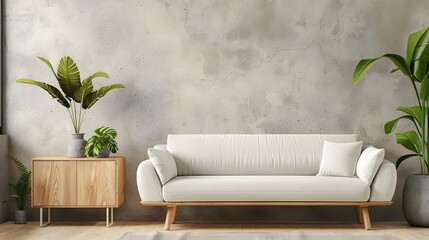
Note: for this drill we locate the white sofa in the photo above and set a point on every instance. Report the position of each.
(258, 170)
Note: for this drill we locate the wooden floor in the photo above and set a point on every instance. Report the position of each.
(98, 230)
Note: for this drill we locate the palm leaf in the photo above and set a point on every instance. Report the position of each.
(424, 88)
(366, 64)
(409, 140)
(68, 76)
(418, 53)
(46, 61)
(87, 86)
(94, 96)
(22, 187)
(405, 157)
(414, 112)
(53, 91)
(390, 126)
(19, 165)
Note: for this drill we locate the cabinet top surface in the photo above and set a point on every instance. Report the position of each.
(77, 159)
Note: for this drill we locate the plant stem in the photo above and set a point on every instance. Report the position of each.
(77, 128)
(73, 121)
(423, 147)
(416, 91)
(426, 120)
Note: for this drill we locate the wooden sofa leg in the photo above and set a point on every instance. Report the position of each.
(366, 219)
(169, 217)
(359, 214)
(173, 218)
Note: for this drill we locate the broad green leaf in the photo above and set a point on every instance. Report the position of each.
(53, 91)
(365, 64)
(414, 112)
(405, 157)
(362, 68)
(87, 86)
(410, 140)
(94, 96)
(411, 45)
(95, 75)
(420, 55)
(68, 76)
(82, 92)
(46, 61)
(424, 88)
(390, 126)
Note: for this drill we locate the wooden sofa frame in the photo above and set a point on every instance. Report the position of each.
(361, 208)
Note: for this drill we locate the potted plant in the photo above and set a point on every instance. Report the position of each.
(416, 69)
(22, 189)
(103, 143)
(77, 96)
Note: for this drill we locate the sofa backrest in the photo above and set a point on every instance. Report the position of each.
(250, 154)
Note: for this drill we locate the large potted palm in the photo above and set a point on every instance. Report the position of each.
(77, 96)
(415, 67)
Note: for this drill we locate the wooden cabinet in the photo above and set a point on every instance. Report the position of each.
(59, 182)
(54, 183)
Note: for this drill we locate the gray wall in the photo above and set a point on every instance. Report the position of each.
(210, 67)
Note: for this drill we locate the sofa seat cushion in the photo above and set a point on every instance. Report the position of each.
(265, 188)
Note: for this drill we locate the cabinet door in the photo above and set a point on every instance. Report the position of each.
(96, 183)
(54, 183)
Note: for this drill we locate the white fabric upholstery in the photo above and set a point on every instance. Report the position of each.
(250, 154)
(265, 188)
(148, 183)
(164, 164)
(384, 184)
(161, 146)
(339, 159)
(368, 164)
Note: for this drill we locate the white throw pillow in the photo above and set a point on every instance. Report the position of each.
(368, 164)
(164, 164)
(339, 159)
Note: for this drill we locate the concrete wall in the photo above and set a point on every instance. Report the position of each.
(211, 67)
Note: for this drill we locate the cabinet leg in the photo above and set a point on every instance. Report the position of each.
(109, 220)
(44, 224)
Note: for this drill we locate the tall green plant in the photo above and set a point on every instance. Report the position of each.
(415, 66)
(22, 187)
(77, 96)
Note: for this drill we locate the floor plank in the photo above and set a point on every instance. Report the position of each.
(98, 230)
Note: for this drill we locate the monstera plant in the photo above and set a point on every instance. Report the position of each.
(77, 95)
(415, 67)
(103, 143)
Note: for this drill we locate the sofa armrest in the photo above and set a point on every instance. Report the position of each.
(148, 183)
(384, 184)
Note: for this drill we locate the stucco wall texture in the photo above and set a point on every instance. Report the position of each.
(210, 67)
